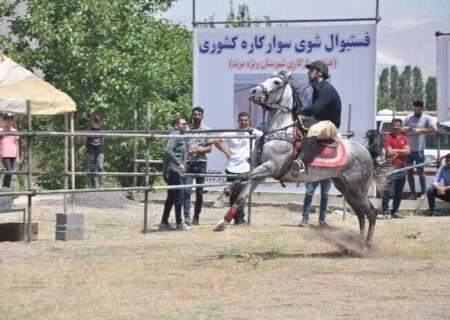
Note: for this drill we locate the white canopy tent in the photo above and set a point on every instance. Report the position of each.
(17, 85)
(22, 92)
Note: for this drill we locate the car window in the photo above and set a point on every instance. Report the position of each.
(385, 127)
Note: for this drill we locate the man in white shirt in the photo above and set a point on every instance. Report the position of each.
(238, 155)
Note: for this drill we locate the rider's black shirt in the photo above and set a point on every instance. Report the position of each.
(326, 104)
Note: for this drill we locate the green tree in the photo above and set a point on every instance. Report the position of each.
(403, 100)
(111, 57)
(241, 17)
(383, 90)
(417, 84)
(393, 89)
(430, 94)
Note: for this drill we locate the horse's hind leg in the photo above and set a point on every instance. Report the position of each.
(372, 217)
(348, 194)
(358, 200)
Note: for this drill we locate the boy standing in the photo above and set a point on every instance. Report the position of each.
(95, 154)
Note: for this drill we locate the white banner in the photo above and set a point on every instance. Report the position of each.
(443, 77)
(230, 61)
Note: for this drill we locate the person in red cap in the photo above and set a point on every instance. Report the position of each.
(326, 109)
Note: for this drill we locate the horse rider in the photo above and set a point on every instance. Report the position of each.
(326, 109)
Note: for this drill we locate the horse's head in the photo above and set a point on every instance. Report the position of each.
(272, 90)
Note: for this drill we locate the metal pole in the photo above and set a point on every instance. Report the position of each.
(349, 128)
(284, 21)
(66, 159)
(72, 155)
(249, 218)
(438, 137)
(147, 157)
(120, 189)
(135, 151)
(377, 11)
(30, 167)
(149, 135)
(193, 13)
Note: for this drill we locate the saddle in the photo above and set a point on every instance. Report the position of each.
(329, 143)
(332, 153)
(331, 157)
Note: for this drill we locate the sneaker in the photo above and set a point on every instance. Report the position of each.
(434, 213)
(182, 227)
(165, 227)
(298, 165)
(412, 197)
(304, 223)
(397, 216)
(323, 224)
(385, 216)
(423, 196)
(187, 220)
(195, 220)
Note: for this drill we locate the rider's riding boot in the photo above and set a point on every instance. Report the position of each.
(310, 149)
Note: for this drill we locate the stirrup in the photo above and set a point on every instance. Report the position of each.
(298, 165)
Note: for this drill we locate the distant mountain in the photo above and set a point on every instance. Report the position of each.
(410, 42)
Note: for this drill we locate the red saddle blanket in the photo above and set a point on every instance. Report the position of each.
(331, 157)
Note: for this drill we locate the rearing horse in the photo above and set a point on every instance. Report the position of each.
(273, 157)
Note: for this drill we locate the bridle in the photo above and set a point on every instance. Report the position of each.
(276, 105)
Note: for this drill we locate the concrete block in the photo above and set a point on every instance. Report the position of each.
(67, 233)
(69, 226)
(6, 202)
(70, 219)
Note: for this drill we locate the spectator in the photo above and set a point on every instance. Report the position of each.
(9, 148)
(417, 125)
(397, 148)
(95, 154)
(238, 155)
(196, 163)
(310, 189)
(436, 190)
(174, 168)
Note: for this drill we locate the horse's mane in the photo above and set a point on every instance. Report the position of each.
(296, 101)
(374, 143)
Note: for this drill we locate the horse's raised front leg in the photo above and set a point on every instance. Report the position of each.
(256, 176)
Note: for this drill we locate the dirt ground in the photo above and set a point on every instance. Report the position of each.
(269, 270)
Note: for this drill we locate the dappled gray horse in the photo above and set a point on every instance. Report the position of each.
(273, 157)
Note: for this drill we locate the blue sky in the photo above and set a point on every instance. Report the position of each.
(308, 9)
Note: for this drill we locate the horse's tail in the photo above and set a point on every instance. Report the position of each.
(374, 142)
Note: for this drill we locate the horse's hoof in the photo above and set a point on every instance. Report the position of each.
(221, 225)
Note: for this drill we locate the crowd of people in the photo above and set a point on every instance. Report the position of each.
(183, 158)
